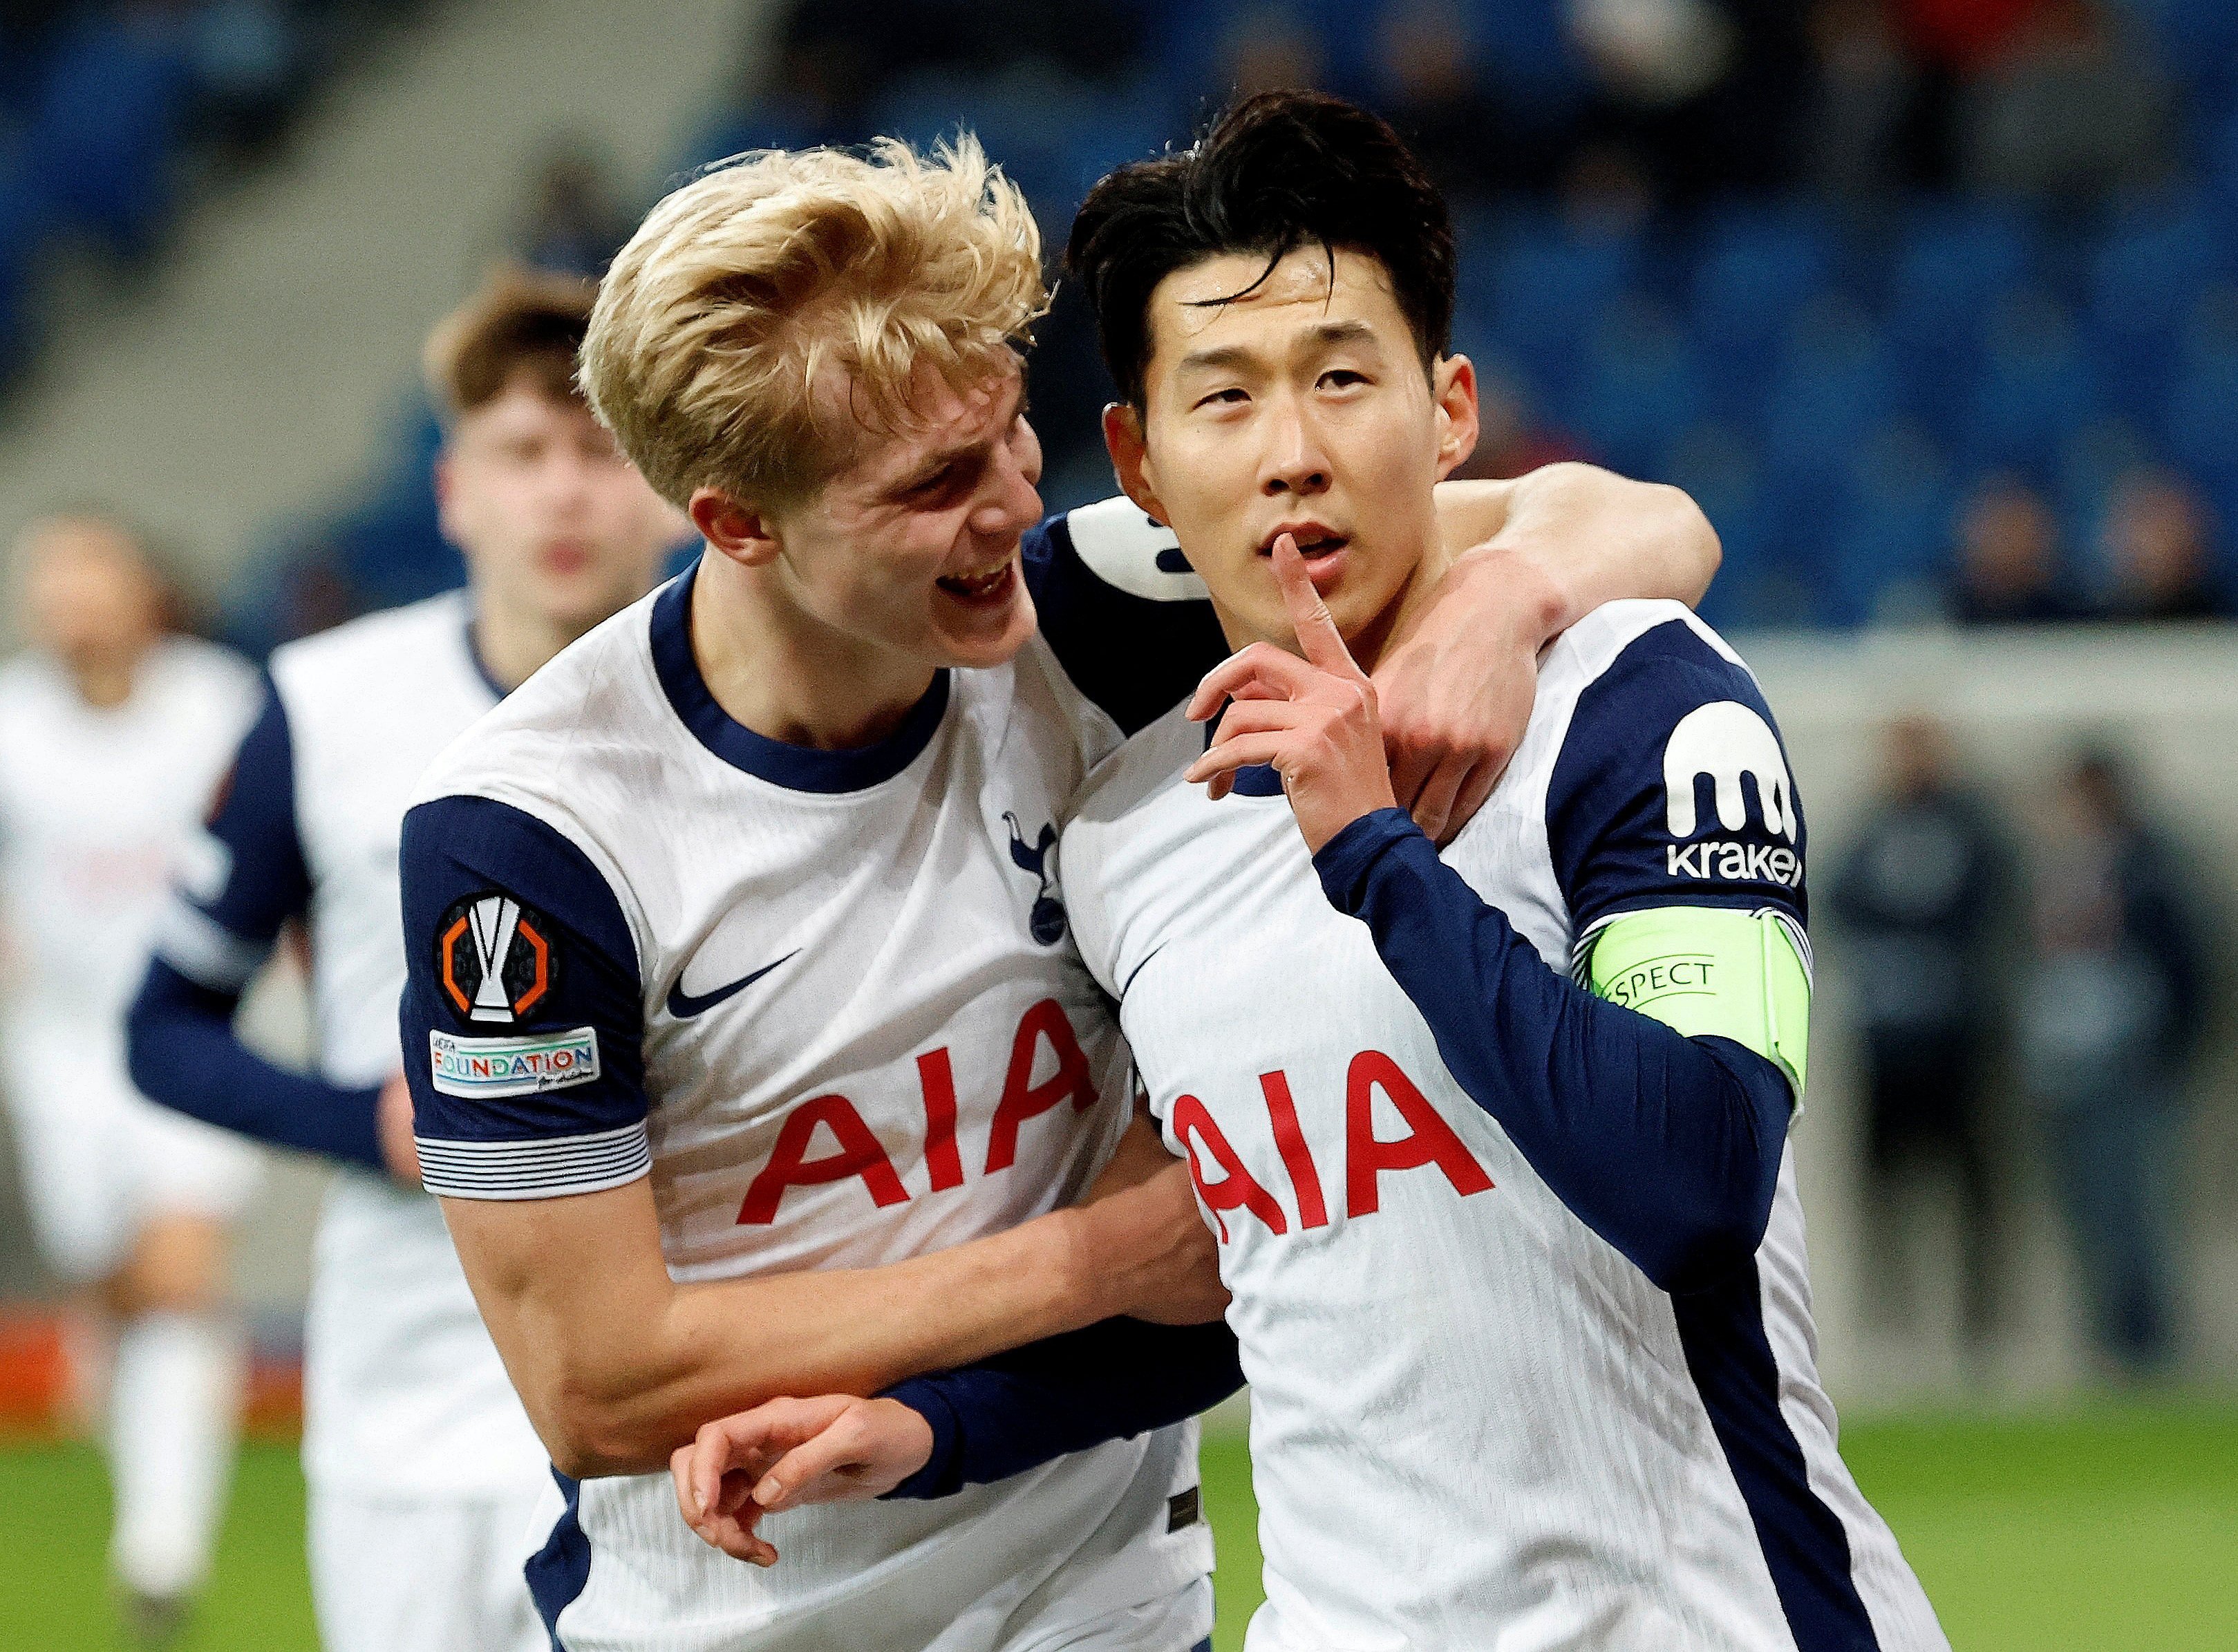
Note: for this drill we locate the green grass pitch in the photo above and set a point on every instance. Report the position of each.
(2108, 1530)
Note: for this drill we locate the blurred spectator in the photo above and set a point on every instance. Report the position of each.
(575, 225)
(1923, 897)
(2069, 113)
(1432, 95)
(2009, 564)
(1862, 140)
(2111, 1022)
(2156, 546)
(1268, 50)
(1705, 93)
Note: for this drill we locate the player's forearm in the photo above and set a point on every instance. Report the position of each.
(1668, 1147)
(619, 1367)
(1566, 538)
(1017, 1410)
(184, 1053)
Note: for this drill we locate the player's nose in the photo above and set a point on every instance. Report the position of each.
(1293, 460)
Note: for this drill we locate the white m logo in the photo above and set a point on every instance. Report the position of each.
(1725, 741)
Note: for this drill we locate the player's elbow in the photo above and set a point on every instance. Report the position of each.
(591, 1435)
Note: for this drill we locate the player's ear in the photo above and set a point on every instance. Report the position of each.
(1453, 387)
(1130, 456)
(739, 531)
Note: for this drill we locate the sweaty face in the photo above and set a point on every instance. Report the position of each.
(912, 548)
(1302, 406)
(553, 520)
(87, 595)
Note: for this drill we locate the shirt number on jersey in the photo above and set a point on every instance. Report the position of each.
(1429, 1140)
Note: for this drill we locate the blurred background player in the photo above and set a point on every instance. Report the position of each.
(1925, 896)
(112, 731)
(420, 1462)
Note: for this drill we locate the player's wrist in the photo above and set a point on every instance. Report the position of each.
(1525, 602)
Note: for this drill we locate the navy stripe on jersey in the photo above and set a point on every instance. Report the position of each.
(179, 1037)
(1805, 1546)
(578, 1133)
(1670, 704)
(558, 1572)
(797, 768)
(1137, 638)
(253, 819)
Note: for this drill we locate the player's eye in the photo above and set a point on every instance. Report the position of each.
(1231, 397)
(1342, 378)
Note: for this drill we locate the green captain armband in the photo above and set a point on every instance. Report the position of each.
(1713, 970)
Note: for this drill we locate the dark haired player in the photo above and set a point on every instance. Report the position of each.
(1494, 1142)
(422, 1469)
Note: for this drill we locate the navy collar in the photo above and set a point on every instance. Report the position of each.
(498, 690)
(797, 768)
(1260, 780)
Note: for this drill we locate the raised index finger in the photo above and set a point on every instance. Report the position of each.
(1322, 642)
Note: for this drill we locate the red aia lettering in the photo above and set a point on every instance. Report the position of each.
(1194, 1128)
(789, 1164)
(936, 1076)
(1023, 1099)
(1431, 1140)
(1290, 1142)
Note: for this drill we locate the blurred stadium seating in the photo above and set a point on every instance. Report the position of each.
(1834, 374)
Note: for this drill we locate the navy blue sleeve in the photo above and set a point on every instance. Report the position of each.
(1672, 788)
(1667, 1147)
(1125, 615)
(242, 880)
(1018, 1410)
(523, 1020)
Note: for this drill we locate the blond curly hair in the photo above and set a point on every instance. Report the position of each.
(743, 291)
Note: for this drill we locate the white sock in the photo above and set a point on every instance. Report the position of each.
(174, 1409)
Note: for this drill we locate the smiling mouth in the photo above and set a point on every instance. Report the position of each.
(972, 586)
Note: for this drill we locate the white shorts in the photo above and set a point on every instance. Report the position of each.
(99, 1157)
(399, 1574)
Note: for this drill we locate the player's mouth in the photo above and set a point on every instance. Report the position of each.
(984, 587)
(1322, 546)
(566, 556)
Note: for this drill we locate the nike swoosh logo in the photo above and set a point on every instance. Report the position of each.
(684, 1006)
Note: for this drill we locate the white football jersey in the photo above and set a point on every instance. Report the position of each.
(94, 806)
(1474, 1422)
(403, 1393)
(828, 999)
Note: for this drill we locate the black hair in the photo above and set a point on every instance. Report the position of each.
(1276, 172)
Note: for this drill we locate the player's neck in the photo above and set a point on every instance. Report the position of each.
(787, 676)
(514, 645)
(105, 680)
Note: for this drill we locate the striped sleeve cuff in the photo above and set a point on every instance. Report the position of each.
(534, 1170)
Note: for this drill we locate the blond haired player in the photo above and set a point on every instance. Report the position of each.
(110, 732)
(748, 1048)
(421, 1468)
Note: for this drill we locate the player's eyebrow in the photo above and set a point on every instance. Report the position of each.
(1235, 355)
(934, 463)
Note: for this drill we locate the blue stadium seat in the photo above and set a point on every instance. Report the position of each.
(1545, 287)
(1640, 387)
(1758, 266)
(22, 221)
(1718, 467)
(2200, 420)
(2037, 387)
(2144, 280)
(105, 122)
(1956, 261)
(1890, 545)
(1835, 383)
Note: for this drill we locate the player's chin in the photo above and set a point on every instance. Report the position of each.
(982, 627)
